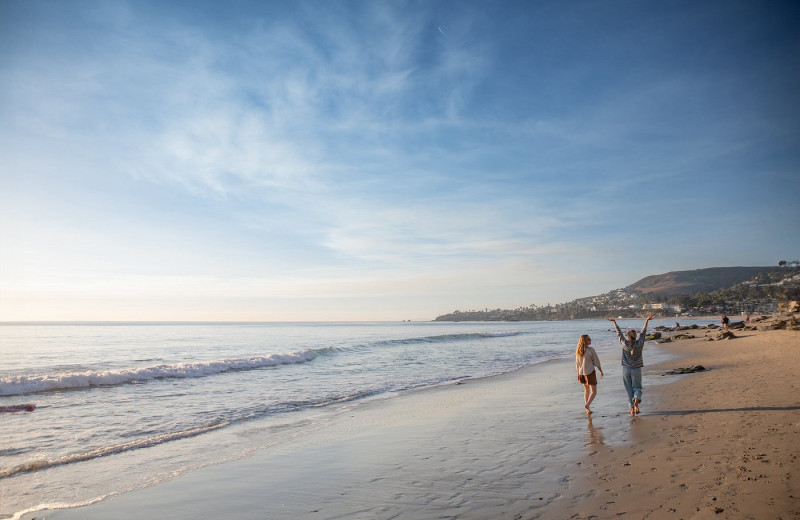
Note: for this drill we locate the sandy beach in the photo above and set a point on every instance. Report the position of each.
(720, 444)
(715, 444)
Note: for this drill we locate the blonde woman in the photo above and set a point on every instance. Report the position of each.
(586, 361)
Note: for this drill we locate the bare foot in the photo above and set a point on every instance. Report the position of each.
(588, 412)
(636, 405)
(633, 413)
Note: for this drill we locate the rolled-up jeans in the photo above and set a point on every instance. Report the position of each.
(632, 378)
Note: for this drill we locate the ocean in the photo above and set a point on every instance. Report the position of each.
(121, 406)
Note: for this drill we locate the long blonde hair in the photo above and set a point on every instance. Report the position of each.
(583, 342)
(631, 334)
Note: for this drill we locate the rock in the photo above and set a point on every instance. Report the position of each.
(775, 325)
(726, 335)
(18, 408)
(653, 336)
(685, 327)
(683, 336)
(690, 370)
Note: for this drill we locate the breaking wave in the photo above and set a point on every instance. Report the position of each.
(445, 338)
(21, 385)
(109, 450)
(34, 384)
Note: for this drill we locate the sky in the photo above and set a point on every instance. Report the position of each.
(385, 160)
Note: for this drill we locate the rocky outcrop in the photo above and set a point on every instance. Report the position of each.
(785, 323)
(714, 332)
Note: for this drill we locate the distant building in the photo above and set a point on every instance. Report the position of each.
(663, 307)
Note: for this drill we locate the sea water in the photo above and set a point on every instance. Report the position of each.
(120, 406)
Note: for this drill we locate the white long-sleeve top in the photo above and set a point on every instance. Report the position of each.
(586, 364)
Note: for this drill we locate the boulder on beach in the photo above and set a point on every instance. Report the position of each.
(689, 370)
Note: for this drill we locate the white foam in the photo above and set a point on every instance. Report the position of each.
(104, 451)
(59, 505)
(20, 385)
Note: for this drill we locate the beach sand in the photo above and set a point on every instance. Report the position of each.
(721, 444)
(715, 444)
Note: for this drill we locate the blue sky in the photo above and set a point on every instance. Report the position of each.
(372, 160)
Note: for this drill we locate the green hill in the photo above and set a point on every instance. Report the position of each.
(688, 283)
(711, 290)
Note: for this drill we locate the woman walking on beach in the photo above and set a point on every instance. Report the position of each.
(632, 362)
(586, 361)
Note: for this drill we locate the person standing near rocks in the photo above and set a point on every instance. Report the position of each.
(586, 361)
(632, 362)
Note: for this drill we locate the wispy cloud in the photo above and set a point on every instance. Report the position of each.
(366, 148)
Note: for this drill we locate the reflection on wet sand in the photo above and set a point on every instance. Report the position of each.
(595, 434)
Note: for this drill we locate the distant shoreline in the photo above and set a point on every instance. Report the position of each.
(47, 323)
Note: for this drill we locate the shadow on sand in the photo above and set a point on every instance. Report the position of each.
(723, 410)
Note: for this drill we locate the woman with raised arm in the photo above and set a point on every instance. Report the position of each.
(586, 361)
(632, 362)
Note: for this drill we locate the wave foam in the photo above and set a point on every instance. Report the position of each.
(444, 338)
(21, 385)
(110, 450)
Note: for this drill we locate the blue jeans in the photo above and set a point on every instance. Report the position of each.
(632, 378)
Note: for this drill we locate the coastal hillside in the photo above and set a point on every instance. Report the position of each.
(688, 283)
(715, 290)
